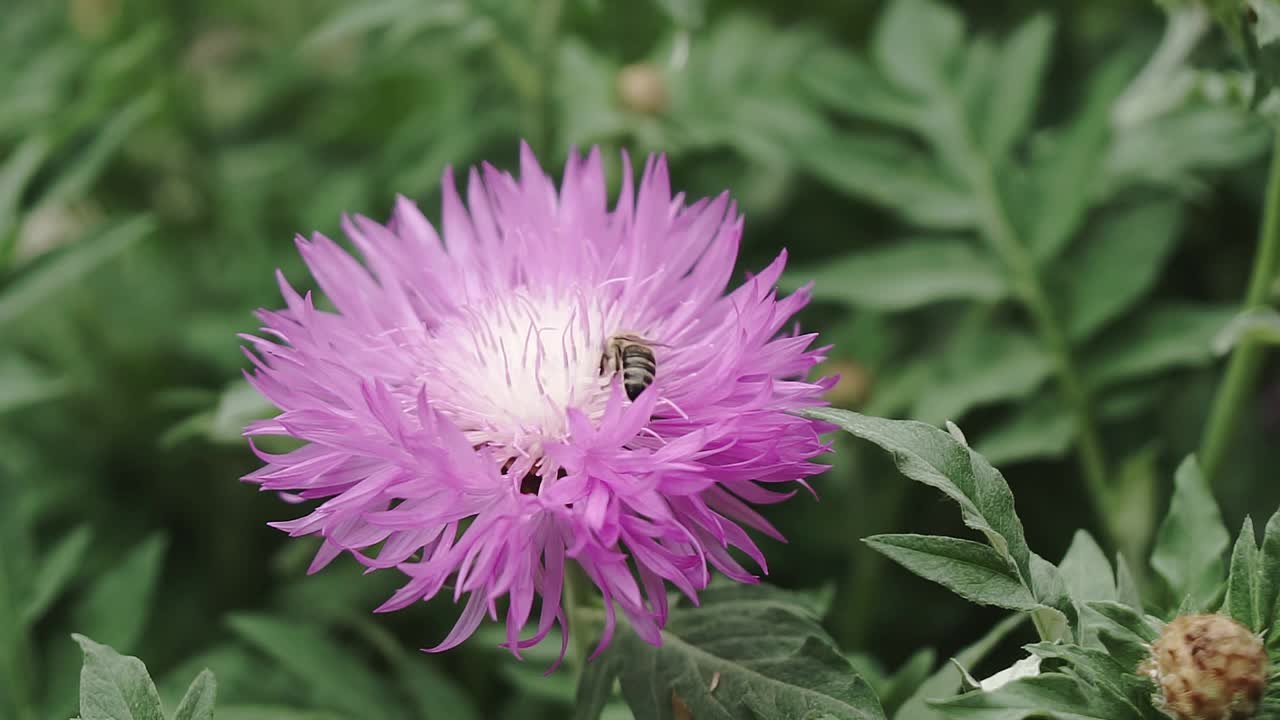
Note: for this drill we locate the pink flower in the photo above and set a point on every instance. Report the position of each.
(463, 424)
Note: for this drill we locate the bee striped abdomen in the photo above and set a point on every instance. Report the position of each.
(638, 369)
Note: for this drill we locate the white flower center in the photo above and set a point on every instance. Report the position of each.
(506, 370)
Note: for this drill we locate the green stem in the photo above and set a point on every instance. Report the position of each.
(1246, 361)
(575, 587)
(541, 108)
(1031, 292)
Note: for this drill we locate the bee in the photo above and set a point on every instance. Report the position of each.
(631, 355)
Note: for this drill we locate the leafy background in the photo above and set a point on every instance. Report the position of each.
(1031, 218)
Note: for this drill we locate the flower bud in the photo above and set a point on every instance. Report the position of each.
(854, 385)
(1207, 667)
(641, 89)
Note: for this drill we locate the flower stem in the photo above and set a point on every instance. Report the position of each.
(1030, 290)
(573, 597)
(1246, 361)
(541, 108)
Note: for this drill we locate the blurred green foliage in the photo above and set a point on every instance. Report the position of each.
(1030, 216)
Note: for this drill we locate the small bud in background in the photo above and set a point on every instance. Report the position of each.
(642, 89)
(854, 386)
(50, 226)
(92, 18)
(1207, 667)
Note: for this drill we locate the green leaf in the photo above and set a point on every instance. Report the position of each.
(118, 602)
(893, 174)
(1269, 580)
(1242, 601)
(89, 165)
(946, 680)
(935, 458)
(595, 686)
(55, 571)
(846, 82)
(1048, 695)
(1039, 428)
(1100, 673)
(1161, 339)
(1063, 175)
(115, 686)
(275, 712)
(971, 570)
(1086, 570)
(34, 288)
(746, 653)
(197, 704)
(1261, 325)
(1191, 541)
(15, 173)
(1088, 577)
(915, 44)
(115, 608)
(906, 275)
(1124, 632)
(1116, 265)
(979, 368)
(902, 684)
(1012, 102)
(22, 384)
(1057, 617)
(1126, 586)
(335, 679)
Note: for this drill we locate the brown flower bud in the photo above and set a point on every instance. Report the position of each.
(1207, 667)
(642, 89)
(854, 385)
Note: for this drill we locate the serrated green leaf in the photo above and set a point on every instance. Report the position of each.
(916, 42)
(1191, 541)
(197, 704)
(1124, 632)
(36, 286)
(1099, 672)
(935, 458)
(115, 686)
(1015, 89)
(973, 571)
(1114, 266)
(891, 173)
(908, 274)
(1062, 174)
(846, 82)
(947, 679)
(56, 569)
(1242, 601)
(1049, 695)
(741, 655)
(1161, 339)
(992, 365)
(335, 679)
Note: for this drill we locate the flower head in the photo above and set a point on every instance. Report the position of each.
(1207, 667)
(466, 406)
